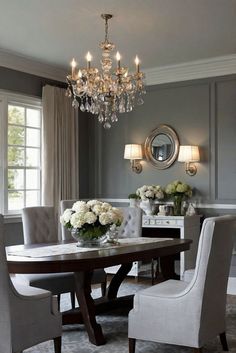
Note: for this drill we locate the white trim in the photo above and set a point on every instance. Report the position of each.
(12, 219)
(231, 286)
(218, 66)
(216, 206)
(196, 205)
(113, 200)
(21, 98)
(24, 64)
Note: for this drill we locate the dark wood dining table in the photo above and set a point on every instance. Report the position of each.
(83, 264)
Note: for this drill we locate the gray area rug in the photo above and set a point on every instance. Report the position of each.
(115, 328)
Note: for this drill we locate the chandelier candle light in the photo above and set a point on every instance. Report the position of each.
(107, 92)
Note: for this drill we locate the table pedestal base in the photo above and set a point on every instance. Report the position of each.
(89, 308)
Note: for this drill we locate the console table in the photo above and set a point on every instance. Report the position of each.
(189, 228)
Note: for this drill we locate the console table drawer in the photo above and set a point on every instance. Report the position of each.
(161, 222)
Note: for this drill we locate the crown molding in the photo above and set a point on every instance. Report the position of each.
(31, 66)
(218, 66)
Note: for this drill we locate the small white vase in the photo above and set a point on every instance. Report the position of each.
(147, 206)
(133, 202)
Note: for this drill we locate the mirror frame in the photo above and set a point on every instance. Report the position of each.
(171, 134)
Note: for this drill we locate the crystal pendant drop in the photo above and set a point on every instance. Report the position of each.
(129, 107)
(114, 118)
(140, 100)
(92, 108)
(107, 125)
(87, 106)
(122, 106)
(75, 103)
(82, 108)
(100, 118)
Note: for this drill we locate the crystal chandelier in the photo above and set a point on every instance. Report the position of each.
(108, 91)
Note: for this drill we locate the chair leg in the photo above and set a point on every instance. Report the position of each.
(132, 342)
(223, 341)
(58, 301)
(72, 299)
(103, 288)
(57, 344)
(152, 270)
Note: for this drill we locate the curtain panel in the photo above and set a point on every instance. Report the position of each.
(60, 157)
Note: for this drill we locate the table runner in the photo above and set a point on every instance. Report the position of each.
(72, 248)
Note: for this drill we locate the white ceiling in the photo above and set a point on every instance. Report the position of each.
(161, 32)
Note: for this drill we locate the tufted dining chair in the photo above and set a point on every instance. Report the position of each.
(99, 275)
(131, 226)
(189, 314)
(39, 226)
(28, 315)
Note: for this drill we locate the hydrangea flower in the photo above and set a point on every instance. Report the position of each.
(92, 218)
(153, 192)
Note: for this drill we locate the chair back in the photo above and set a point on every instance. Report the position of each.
(64, 204)
(39, 225)
(209, 283)
(5, 317)
(131, 226)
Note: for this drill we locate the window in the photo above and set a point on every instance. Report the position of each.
(21, 157)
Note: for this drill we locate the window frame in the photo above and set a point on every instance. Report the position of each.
(6, 99)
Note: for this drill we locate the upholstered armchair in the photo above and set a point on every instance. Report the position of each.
(99, 275)
(189, 314)
(39, 226)
(28, 315)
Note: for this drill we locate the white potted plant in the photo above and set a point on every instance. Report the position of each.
(133, 200)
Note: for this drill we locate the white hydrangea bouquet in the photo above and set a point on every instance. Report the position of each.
(89, 221)
(153, 192)
(178, 191)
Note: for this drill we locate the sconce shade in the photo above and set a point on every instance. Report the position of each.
(133, 151)
(188, 154)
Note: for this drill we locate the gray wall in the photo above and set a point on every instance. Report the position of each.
(202, 112)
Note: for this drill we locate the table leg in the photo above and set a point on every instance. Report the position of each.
(87, 307)
(167, 264)
(117, 279)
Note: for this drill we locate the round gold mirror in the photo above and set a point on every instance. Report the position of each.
(162, 147)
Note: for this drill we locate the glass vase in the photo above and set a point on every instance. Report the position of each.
(88, 240)
(177, 205)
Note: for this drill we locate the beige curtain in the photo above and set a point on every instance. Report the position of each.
(60, 158)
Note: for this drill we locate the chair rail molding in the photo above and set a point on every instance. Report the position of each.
(222, 206)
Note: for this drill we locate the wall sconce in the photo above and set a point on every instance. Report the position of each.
(134, 153)
(189, 154)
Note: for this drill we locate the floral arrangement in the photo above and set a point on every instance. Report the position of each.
(153, 192)
(91, 219)
(178, 191)
(177, 188)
